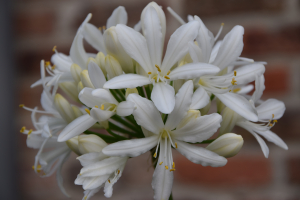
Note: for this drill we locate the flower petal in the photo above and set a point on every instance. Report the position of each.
(248, 73)
(119, 16)
(229, 120)
(163, 96)
(127, 81)
(96, 75)
(193, 70)
(272, 137)
(200, 155)
(135, 46)
(76, 127)
(270, 107)
(231, 48)
(239, 104)
(86, 97)
(259, 88)
(90, 158)
(153, 34)
(200, 99)
(183, 101)
(94, 37)
(131, 148)
(125, 108)
(104, 96)
(146, 114)
(91, 183)
(101, 115)
(198, 130)
(62, 61)
(195, 52)
(178, 44)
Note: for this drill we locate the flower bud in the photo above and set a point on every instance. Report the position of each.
(75, 72)
(131, 91)
(79, 87)
(100, 58)
(90, 143)
(227, 145)
(64, 108)
(220, 105)
(73, 145)
(70, 88)
(114, 48)
(112, 67)
(77, 111)
(85, 79)
(229, 120)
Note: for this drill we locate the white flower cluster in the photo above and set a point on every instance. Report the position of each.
(145, 101)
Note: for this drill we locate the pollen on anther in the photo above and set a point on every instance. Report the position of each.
(88, 111)
(23, 129)
(233, 82)
(275, 121)
(21, 105)
(222, 24)
(118, 171)
(234, 73)
(108, 180)
(47, 63)
(54, 48)
(173, 165)
(166, 77)
(85, 197)
(154, 155)
(149, 73)
(29, 132)
(102, 107)
(176, 145)
(96, 106)
(166, 167)
(171, 170)
(169, 72)
(273, 115)
(158, 68)
(53, 67)
(103, 27)
(160, 163)
(100, 28)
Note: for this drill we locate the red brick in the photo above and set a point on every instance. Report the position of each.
(277, 78)
(239, 171)
(216, 7)
(34, 23)
(294, 170)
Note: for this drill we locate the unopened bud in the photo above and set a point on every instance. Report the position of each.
(77, 111)
(85, 79)
(100, 58)
(227, 145)
(79, 86)
(90, 143)
(73, 145)
(70, 88)
(75, 71)
(89, 60)
(131, 91)
(112, 67)
(64, 108)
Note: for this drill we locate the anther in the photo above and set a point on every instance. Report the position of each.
(160, 163)
(234, 72)
(102, 107)
(173, 165)
(53, 67)
(54, 48)
(158, 68)
(103, 27)
(118, 171)
(21, 105)
(47, 63)
(176, 145)
(100, 28)
(154, 155)
(23, 129)
(38, 168)
(166, 167)
(275, 121)
(108, 180)
(233, 82)
(236, 90)
(149, 73)
(171, 170)
(85, 197)
(270, 124)
(166, 77)
(96, 106)
(169, 72)
(29, 132)
(273, 116)
(88, 111)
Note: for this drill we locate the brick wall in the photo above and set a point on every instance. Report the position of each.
(272, 34)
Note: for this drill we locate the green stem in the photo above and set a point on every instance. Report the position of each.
(106, 138)
(125, 123)
(117, 128)
(148, 91)
(165, 118)
(121, 95)
(171, 197)
(119, 137)
(141, 91)
(115, 95)
(212, 97)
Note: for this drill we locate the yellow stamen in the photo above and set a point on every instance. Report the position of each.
(236, 90)
(96, 106)
(85, 197)
(176, 145)
(234, 72)
(38, 168)
(104, 27)
(88, 111)
(53, 67)
(171, 170)
(166, 167)
(108, 180)
(29, 132)
(102, 107)
(169, 72)
(154, 77)
(270, 124)
(23, 129)
(229, 90)
(222, 24)
(158, 68)
(160, 163)
(154, 155)
(118, 171)
(47, 63)
(21, 105)
(275, 121)
(149, 73)
(273, 115)
(80, 174)
(233, 82)
(166, 77)
(173, 165)
(100, 28)
(54, 48)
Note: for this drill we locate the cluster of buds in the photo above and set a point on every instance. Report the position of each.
(129, 99)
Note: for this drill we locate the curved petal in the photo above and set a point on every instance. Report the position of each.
(153, 34)
(195, 52)
(104, 96)
(248, 73)
(198, 130)
(231, 48)
(135, 46)
(90, 158)
(96, 75)
(245, 89)
(76, 127)
(91, 183)
(125, 108)
(77, 52)
(131, 148)
(119, 16)
(269, 108)
(229, 120)
(200, 99)
(86, 97)
(101, 115)
(183, 101)
(239, 104)
(178, 44)
(163, 96)
(127, 81)
(272, 137)
(259, 88)
(94, 37)
(146, 114)
(62, 61)
(200, 155)
(193, 70)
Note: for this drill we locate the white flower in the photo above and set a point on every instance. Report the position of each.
(99, 170)
(227, 145)
(147, 51)
(268, 112)
(181, 127)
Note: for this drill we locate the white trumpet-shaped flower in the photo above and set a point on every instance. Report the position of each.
(147, 51)
(183, 126)
(268, 111)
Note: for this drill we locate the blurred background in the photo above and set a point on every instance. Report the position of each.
(30, 29)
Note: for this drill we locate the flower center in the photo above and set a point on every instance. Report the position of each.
(158, 76)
